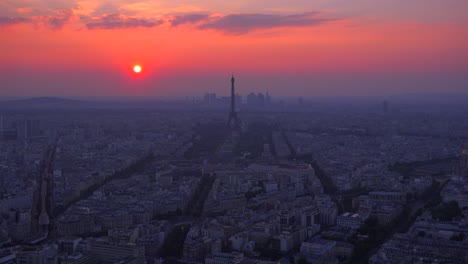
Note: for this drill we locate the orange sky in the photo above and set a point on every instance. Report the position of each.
(47, 48)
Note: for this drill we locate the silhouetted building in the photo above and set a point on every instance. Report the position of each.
(210, 99)
(260, 100)
(385, 106)
(43, 197)
(251, 99)
(238, 100)
(37, 255)
(300, 101)
(462, 167)
(105, 251)
(1, 127)
(8, 131)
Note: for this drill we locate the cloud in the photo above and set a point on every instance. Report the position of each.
(115, 21)
(244, 23)
(229, 24)
(188, 18)
(57, 22)
(105, 8)
(6, 21)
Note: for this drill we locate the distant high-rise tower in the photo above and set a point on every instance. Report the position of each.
(464, 161)
(1, 127)
(233, 121)
(300, 101)
(385, 106)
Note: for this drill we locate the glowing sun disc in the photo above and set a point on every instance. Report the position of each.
(137, 68)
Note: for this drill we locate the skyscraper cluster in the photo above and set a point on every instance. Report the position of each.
(258, 100)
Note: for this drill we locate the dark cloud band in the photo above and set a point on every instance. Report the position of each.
(244, 23)
(115, 21)
(13, 20)
(189, 18)
(228, 24)
(57, 22)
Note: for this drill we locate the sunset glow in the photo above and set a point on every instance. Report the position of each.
(299, 47)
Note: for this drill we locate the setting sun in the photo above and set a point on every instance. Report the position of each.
(137, 68)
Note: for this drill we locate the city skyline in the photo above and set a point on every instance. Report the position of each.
(303, 48)
(233, 132)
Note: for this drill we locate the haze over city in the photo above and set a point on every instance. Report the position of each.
(233, 132)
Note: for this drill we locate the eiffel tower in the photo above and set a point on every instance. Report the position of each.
(233, 121)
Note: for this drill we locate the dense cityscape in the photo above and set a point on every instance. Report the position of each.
(233, 132)
(253, 179)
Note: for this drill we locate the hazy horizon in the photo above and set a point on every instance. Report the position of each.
(415, 99)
